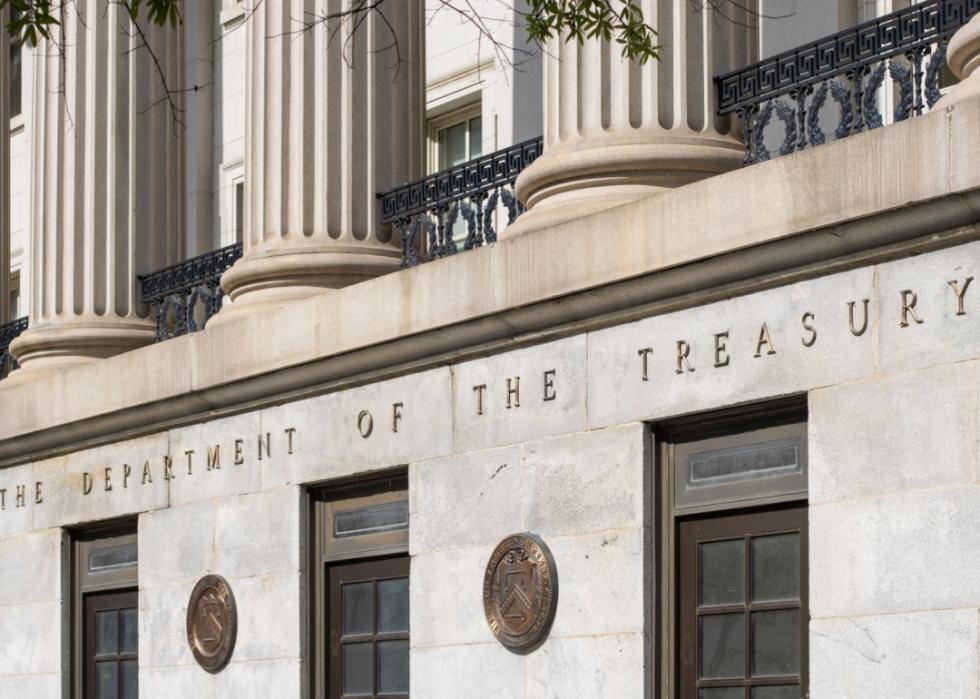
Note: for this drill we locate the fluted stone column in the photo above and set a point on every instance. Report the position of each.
(4, 169)
(963, 57)
(615, 130)
(334, 115)
(107, 191)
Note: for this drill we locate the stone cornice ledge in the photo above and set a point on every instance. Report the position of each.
(894, 191)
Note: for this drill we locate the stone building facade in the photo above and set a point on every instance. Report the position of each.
(734, 395)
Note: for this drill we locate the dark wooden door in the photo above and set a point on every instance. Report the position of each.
(111, 645)
(743, 606)
(367, 603)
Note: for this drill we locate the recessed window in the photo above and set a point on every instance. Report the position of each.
(361, 590)
(105, 609)
(733, 603)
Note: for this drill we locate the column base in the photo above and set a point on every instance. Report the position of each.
(50, 347)
(963, 57)
(568, 182)
(266, 279)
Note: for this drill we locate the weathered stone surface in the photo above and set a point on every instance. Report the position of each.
(176, 545)
(33, 632)
(258, 533)
(162, 627)
(16, 519)
(884, 436)
(270, 623)
(181, 682)
(588, 667)
(914, 551)
(618, 393)
(585, 482)
(480, 671)
(600, 583)
(215, 471)
(328, 441)
(469, 500)
(447, 598)
(550, 403)
(47, 686)
(31, 567)
(64, 478)
(943, 336)
(926, 654)
(260, 680)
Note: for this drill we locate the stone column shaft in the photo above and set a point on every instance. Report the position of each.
(335, 115)
(4, 169)
(615, 130)
(107, 196)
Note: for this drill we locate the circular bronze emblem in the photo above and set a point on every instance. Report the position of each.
(212, 621)
(520, 592)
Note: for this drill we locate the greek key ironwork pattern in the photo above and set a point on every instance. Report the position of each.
(870, 42)
(908, 47)
(459, 208)
(186, 295)
(7, 334)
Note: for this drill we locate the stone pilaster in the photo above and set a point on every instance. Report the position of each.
(963, 57)
(334, 115)
(615, 130)
(107, 193)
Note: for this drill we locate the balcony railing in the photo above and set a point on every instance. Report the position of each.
(7, 334)
(850, 67)
(476, 198)
(186, 295)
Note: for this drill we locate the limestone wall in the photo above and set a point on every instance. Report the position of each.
(556, 439)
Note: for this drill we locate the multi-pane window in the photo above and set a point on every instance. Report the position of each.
(734, 618)
(106, 615)
(361, 591)
(460, 141)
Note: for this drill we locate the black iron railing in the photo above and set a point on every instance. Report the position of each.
(476, 199)
(7, 334)
(849, 67)
(186, 295)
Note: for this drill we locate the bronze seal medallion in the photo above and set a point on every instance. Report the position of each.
(520, 592)
(212, 622)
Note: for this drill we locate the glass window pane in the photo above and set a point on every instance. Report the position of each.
(721, 568)
(393, 666)
(791, 691)
(358, 669)
(721, 646)
(476, 137)
(107, 632)
(373, 519)
(722, 693)
(776, 643)
(106, 680)
(130, 680)
(393, 605)
(776, 568)
(129, 621)
(775, 458)
(452, 145)
(112, 558)
(358, 605)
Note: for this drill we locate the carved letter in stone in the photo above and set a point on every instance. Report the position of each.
(37, 493)
(21, 500)
(365, 424)
(764, 340)
(960, 293)
(214, 457)
(721, 349)
(683, 350)
(549, 385)
(290, 431)
(126, 473)
(909, 299)
(86, 483)
(108, 477)
(265, 445)
(239, 452)
(644, 361)
(168, 468)
(857, 332)
(806, 320)
(479, 390)
(396, 415)
(514, 392)
(147, 476)
(190, 461)
(3, 498)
